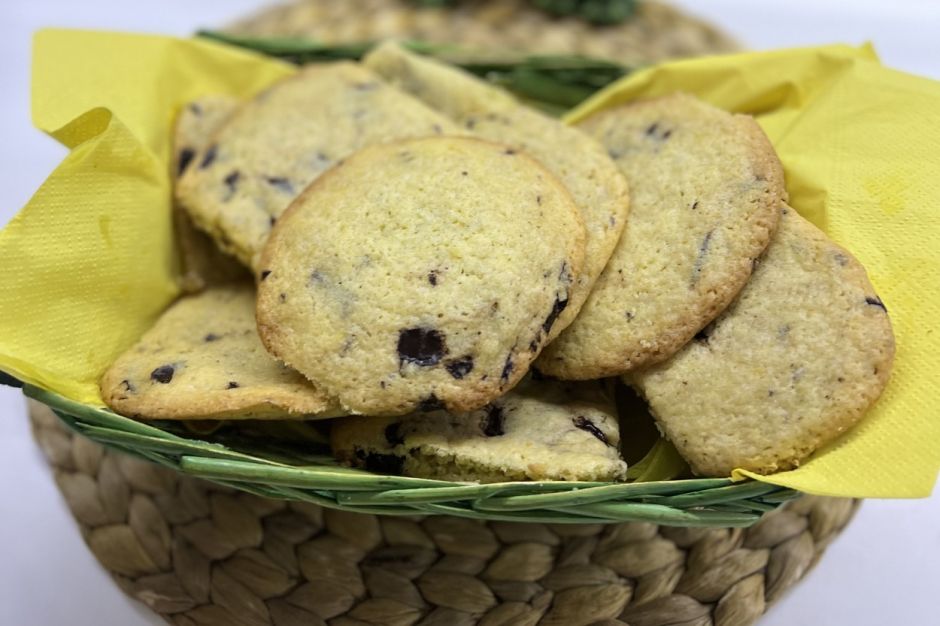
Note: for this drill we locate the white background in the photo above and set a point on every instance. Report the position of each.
(885, 569)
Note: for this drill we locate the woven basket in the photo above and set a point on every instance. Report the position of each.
(302, 469)
(199, 553)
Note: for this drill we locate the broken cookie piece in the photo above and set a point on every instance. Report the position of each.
(541, 430)
(203, 360)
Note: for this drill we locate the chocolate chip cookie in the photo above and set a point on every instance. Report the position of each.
(203, 263)
(706, 188)
(203, 360)
(424, 273)
(283, 139)
(794, 362)
(579, 161)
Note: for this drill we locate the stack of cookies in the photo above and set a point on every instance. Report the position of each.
(461, 281)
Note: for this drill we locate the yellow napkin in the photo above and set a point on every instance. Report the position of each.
(860, 146)
(89, 262)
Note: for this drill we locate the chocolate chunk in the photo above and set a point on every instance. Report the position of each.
(162, 374)
(700, 259)
(272, 221)
(588, 426)
(458, 368)
(464, 173)
(652, 128)
(195, 108)
(470, 123)
(493, 421)
(431, 403)
(393, 434)
(381, 463)
(432, 277)
(265, 274)
(557, 308)
(507, 369)
(703, 335)
(509, 151)
(128, 386)
(185, 158)
(421, 346)
(695, 205)
(281, 184)
(666, 135)
(210, 338)
(209, 157)
(231, 181)
(876, 301)
(233, 385)
(282, 297)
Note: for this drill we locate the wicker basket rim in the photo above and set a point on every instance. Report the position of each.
(284, 474)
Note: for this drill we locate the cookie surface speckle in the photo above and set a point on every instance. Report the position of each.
(367, 326)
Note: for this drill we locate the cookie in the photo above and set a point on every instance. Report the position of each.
(539, 431)
(421, 273)
(706, 188)
(203, 360)
(203, 263)
(580, 162)
(283, 139)
(794, 362)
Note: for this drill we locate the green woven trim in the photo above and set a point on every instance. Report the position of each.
(311, 475)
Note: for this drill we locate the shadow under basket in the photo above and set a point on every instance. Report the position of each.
(306, 472)
(204, 553)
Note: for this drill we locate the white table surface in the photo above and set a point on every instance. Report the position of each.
(885, 569)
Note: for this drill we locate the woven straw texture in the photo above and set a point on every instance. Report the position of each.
(655, 33)
(199, 553)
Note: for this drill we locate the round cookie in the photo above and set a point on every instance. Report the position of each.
(705, 191)
(425, 272)
(795, 361)
(203, 360)
(541, 430)
(276, 144)
(580, 162)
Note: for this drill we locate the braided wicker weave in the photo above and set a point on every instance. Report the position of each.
(655, 33)
(199, 553)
